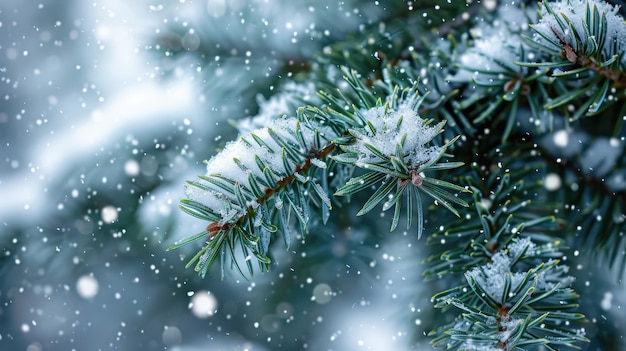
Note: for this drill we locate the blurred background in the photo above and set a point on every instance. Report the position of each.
(108, 106)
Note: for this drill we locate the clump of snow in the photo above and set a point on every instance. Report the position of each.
(387, 127)
(491, 277)
(521, 246)
(285, 102)
(487, 55)
(251, 155)
(556, 28)
(494, 45)
(547, 280)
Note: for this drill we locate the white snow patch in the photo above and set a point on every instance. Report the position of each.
(283, 103)
(238, 161)
(575, 11)
(521, 246)
(491, 277)
(388, 128)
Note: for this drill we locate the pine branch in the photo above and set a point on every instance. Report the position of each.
(506, 307)
(393, 148)
(251, 180)
(584, 40)
(255, 185)
(515, 294)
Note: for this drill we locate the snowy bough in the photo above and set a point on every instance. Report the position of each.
(256, 185)
(460, 132)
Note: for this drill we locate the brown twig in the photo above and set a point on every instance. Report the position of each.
(215, 227)
(618, 77)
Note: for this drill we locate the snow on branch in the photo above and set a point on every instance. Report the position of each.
(388, 129)
(396, 146)
(507, 306)
(257, 162)
(249, 181)
(586, 26)
(257, 183)
(588, 33)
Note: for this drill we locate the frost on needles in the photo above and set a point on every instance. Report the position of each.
(388, 129)
(256, 163)
(247, 185)
(396, 146)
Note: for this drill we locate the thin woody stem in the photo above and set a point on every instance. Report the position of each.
(302, 168)
(618, 77)
(215, 227)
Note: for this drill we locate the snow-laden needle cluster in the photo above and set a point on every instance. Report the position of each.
(587, 27)
(396, 146)
(507, 301)
(248, 187)
(387, 130)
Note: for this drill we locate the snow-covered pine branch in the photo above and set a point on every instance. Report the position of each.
(252, 179)
(581, 30)
(395, 146)
(583, 43)
(512, 281)
(570, 54)
(267, 176)
(511, 302)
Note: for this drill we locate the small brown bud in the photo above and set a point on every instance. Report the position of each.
(416, 178)
(570, 54)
